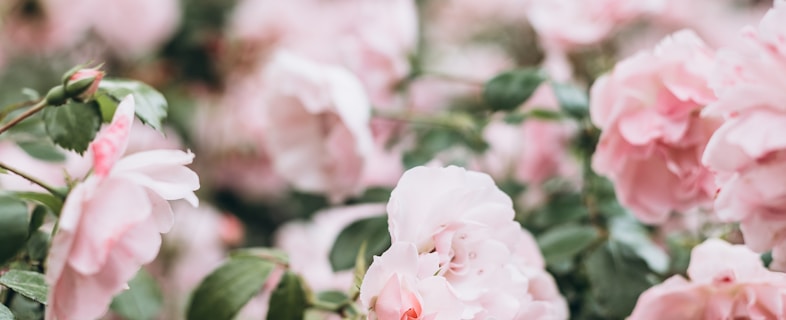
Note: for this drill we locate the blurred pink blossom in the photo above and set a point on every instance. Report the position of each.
(317, 125)
(648, 108)
(748, 152)
(111, 223)
(726, 282)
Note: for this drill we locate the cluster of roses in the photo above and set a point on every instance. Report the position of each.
(457, 253)
(686, 125)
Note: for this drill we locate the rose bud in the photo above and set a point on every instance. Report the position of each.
(83, 84)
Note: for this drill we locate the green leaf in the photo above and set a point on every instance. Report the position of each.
(38, 245)
(627, 230)
(288, 301)
(36, 219)
(616, 279)
(331, 300)
(142, 301)
(151, 106)
(572, 100)
(359, 272)
(507, 91)
(561, 208)
(373, 231)
(27, 283)
(5, 313)
(25, 308)
(50, 201)
(42, 150)
(561, 244)
(226, 290)
(73, 126)
(270, 254)
(107, 105)
(14, 226)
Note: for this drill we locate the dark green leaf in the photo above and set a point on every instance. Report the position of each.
(288, 301)
(14, 226)
(507, 91)
(625, 229)
(107, 105)
(38, 245)
(572, 100)
(73, 126)
(5, 313)
(27, 283)
(151, 107)
(36, 219)
(52, 202)
(226, 290)
(561, 208)
(562, 243)
(25, 308)
(141, 301)
(544, 114)
(616, 279)
(42, 150)
(373, 231)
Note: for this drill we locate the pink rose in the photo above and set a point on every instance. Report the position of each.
(111, 223)
(401, 284)
(486, 257)
(317, 132)
(153, 21)
(726, 282)
(653, 136)
(748, 152)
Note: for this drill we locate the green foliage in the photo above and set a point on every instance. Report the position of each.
(331, 300)
(5, 313)
(572, 100)
(507, 91)
(51, 202)
(561, 244)
(227, 289)
(14, 226)
(270, 254)
(289, 300)
(151, 106)
(371, 231)
(73, 126)
(617, 277)
(142, 301)
(42, 150)
(27, 283)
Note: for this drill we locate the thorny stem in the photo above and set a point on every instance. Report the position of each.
(27, 177)
(40, 105)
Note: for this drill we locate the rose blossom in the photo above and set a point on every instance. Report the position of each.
(748, 152)
(111, 223)
(317, 131)
(487, 258)
(401, 284)
(726, 282)
(653, 136)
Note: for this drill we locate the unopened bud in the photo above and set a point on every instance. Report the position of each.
(56, 96)
(83, 84)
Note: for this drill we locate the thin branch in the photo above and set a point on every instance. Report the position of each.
(27, 177)
(16, 106)
(35, 109)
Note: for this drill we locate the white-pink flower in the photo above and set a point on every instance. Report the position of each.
(653, 137)
(748, 152)
(317, 130)
(401, 284)
(111, 223)
(726, 282)
(467, 222)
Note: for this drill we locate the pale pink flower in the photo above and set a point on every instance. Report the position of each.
(748, 152)
(317, 130)
(309, 243)
(648, 108)
(401, 284)
(726, 282)
(153, 21)
(111, 223)
(463, 218)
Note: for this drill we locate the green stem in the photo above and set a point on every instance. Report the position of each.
(40, 105)
(27, 177)
(16, 106)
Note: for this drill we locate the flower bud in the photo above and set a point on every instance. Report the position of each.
(83, 84)
(56, 96)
